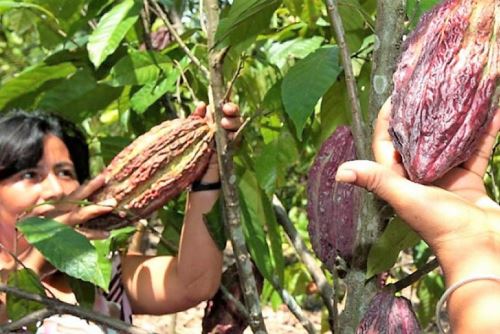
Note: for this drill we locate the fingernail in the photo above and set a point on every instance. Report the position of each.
(108, 202)
(345, 175)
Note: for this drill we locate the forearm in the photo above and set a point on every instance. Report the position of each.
(199, 260)
(473, 307)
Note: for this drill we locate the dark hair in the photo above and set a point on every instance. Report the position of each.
(21, 142)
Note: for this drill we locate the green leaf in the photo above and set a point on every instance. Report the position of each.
(152, 91)
(78, 97)
(26, 280)
(31, 79)
(396, 237)
(111, 29)
(7, 5)
(66, 249)
(274, 236)
(215, 225)
(334, 110)
(429, 290)
(84, 292)
(252, 220)
(111, 145)
(307, 81)
(138, 68)
(104, 265)
(246, 18)
(280, 53)
(416, 8)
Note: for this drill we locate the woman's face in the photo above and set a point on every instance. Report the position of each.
(52, 178)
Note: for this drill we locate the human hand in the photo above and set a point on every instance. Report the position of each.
(74, 210)
(454, 215)
(231, 122)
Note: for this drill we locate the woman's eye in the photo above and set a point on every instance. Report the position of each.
(67, 173)
(29, 175)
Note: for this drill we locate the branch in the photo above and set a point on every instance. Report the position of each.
(229, 297)
(158, 11)
(145, 17)
(325, 289)
(389, 34)
(231, 207)
(415, 276)
(236, 74)
(293, 307)
(360, 134)
(31, 318)
(65, 308)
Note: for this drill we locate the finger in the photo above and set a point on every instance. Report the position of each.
(231, 109)
(86, 213)
(382, 146)
(231, 123)
(200, 109)
(87, 189)
(478, 163)
(426, 209)
(93, 234)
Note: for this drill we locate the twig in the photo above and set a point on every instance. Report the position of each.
(292, 305)
(360, 135)
(65, 308)
(168, 244)
(191, 91)
(158, 11)
(229, 296)
(325, 289)
(233, 79)
(231, 202)
(164, 100)
(416, 275)
(32, 276)
(29, 319)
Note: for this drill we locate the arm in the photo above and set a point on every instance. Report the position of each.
(454, 216)
(162, 284)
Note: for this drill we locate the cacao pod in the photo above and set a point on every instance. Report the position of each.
(446, 87)
(153, 169)
(388, 314)
(331, 206)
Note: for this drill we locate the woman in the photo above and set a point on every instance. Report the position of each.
(454, 216)
(45, 159)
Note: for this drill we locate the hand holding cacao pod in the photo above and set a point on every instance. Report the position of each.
(159, 165)
(446, 87)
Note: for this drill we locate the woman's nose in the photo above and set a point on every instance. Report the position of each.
(52, 188)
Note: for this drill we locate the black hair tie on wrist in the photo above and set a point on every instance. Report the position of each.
(198, 186)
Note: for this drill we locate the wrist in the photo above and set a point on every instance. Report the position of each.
(459, 263)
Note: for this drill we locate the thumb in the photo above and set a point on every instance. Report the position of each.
(398, 191)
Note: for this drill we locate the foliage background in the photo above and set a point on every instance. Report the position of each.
(113, 68)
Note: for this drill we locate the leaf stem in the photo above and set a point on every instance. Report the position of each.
(325, 289)
(360, 134)
(64, 308)
(159, 11)
(416, 275)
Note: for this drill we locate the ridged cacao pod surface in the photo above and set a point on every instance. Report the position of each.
(388, 314)
(331, 206)
(446, 86)
(153, 169)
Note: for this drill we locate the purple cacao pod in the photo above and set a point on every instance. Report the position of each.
(388, 314)
(331, 206)
(446, 87)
